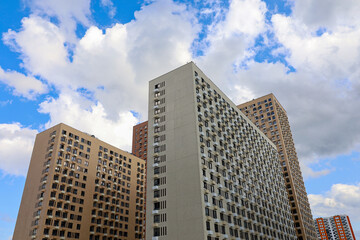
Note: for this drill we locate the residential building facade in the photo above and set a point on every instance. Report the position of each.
(334, 228)
(212, 174)
(139, 140)
(139, 149)
(271, 118)
(79, 187)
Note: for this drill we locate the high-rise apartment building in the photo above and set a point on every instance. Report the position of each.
(334, 228)
(79, 187)
(139, 140)
(212, 174)
(269, 116)
(139, 149)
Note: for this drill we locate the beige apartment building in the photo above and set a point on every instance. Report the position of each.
(270, 117)
(211, 173)
(79, 187)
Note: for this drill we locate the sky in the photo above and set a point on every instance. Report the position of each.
(87, 63)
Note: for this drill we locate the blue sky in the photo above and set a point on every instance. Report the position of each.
(87, 63)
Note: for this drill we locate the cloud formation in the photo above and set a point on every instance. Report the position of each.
(114, 63)
(318, 93)
(15, 160)
(230, 40)
(107, 70)
(67, 13)
(25, 86)
(86, 116)
(110, 6)
(103, 75)
(329, 14)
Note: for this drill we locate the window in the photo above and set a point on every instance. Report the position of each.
(214, 214)
(216, 227)
(207, 212)
(156, 206)
(156, 232)
(156, 194)
(208, 226)
(223, 230)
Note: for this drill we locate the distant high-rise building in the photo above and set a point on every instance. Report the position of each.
(79, 187)
(334, 228)
(212, 174)
(270, 117)
(139, 149)
(140, 140)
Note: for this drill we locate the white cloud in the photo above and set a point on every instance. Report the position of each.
(26, 86)
(41, 45)
(113, 65)
(109, 67)
(308, 172)
(335, 55)
(341, 199)
(68, 13)
(243, 94)
(231, 40)
(110, 5)
(245, 17)
(72, 109)
(65, 10)
(316, 96)
(319, 94)
(330, 14)
(16, 144)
